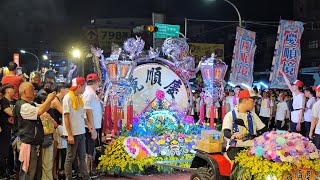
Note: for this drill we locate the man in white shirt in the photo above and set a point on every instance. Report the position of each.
(74, 123)
(252, 122)
(282, 110)
(298, 104)
(234, 100)
(315, 125)
(93, 108)
(30, 130)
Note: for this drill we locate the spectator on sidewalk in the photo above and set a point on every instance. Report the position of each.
(30, 131)
(8, 125)
(74, 123)
(60, 143)
(13, 78)
(93, 108)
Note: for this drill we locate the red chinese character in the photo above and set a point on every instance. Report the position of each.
(245, 46)
(243, 71)
(244, 58)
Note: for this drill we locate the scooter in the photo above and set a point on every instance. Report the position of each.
(216, 166)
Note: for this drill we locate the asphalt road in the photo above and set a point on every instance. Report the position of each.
(172, 176)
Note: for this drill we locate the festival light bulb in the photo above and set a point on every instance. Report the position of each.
(243, 84)
(264, 85)
(231, 84)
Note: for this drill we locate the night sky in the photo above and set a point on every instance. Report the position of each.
(22, 21)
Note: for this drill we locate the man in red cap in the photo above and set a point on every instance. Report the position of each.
(74, 123)
(298, 104)
(315, 125)
(253, 123)
(93, 108)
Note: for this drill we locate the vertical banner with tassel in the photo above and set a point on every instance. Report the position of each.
(243, 57)
(287, 53)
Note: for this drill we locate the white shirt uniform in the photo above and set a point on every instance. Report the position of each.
(308, 111)
(316, 109)
(76, 118)
(90, 102)
(282, 108)
(265, 109)
(316, 113)
(232, 101)
(298, 103)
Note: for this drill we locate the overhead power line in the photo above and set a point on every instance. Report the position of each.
(216, 29)
(259, 23)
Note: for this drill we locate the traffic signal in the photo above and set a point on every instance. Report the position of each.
(151, 28)
(145, 28)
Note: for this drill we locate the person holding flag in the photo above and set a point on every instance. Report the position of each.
(298, 104)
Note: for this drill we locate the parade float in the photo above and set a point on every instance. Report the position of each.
(148, 100)
(147, 105)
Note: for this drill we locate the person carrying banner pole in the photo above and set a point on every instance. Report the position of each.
(296, 124)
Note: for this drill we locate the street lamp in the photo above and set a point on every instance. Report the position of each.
(77, 54)
(45, 57)
(235, 8)
(26, 52)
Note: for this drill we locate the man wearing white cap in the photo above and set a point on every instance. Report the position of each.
(315, 125)
(298, 104)
(74, 123)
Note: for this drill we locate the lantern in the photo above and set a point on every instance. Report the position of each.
(213, 71)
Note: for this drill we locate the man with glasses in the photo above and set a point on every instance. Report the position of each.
(253, 123)
(30, 130)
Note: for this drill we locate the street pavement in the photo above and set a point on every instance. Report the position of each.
(171, 176)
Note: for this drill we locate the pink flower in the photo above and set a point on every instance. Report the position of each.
(189, 119)
(293, 145)
(160, 94)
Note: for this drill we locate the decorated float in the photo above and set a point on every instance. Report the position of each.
(148, 100)
(147, 105)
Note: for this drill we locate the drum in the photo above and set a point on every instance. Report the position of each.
(150, 77)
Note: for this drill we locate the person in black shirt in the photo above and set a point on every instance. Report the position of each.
(8, 126)
(55, 112)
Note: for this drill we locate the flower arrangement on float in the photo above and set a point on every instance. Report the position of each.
(121, 157)
(161, 132)
(278, 155)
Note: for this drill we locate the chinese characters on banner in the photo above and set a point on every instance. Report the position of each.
(148, 78)
(287, 53)
(243, 57)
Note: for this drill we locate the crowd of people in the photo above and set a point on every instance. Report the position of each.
(294, 110)
(48, 130)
